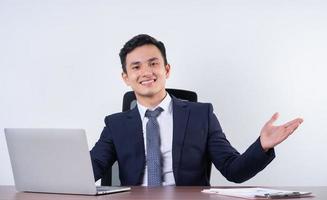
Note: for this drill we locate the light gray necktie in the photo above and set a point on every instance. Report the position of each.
(153, 152)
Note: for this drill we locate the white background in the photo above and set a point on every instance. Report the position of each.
(59, 68)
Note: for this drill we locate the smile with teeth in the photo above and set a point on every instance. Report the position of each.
(147, 82)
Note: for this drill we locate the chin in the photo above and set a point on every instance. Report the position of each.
(148, 92)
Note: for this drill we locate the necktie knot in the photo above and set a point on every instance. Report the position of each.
(155, 113)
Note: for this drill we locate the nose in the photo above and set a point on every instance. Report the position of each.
(147, 70)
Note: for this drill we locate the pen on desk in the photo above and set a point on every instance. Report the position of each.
(280, 195)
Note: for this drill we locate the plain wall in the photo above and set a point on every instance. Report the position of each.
(59, 68)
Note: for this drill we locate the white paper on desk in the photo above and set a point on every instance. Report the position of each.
(248, 193)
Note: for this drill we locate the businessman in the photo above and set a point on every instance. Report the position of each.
(166, 141)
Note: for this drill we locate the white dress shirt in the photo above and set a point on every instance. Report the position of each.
(165, 120)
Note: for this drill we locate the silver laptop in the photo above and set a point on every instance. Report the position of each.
(53, 161)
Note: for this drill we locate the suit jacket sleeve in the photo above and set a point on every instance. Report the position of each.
(234, 166)
(103, 154)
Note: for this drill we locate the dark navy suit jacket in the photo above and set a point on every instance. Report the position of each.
(197, 140)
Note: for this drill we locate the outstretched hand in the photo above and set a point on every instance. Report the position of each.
(271, 135)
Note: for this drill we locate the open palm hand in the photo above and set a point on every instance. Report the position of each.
(271, 135)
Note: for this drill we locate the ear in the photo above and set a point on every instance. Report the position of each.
(167, 68)
(125, 78)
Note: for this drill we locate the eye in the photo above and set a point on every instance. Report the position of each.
(135, 67)
(154, 63)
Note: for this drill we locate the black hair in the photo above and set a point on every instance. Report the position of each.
(137, 41)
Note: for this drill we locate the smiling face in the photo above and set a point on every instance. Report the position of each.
(146, 73)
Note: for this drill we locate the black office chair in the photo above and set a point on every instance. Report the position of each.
(129, 102)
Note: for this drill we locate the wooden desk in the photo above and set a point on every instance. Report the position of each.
(144, 193)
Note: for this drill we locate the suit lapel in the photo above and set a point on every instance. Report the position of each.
(180, 119)
(135, 122)
(135, 133)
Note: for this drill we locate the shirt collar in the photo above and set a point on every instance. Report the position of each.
(165, 104)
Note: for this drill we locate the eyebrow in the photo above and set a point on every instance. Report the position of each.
(149, 60)
(135, 63)
(153, 59)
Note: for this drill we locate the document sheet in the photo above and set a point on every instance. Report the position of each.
(257, 193)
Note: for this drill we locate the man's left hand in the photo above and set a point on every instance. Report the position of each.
(271, 135)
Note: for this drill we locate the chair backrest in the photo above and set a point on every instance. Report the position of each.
(129, 102)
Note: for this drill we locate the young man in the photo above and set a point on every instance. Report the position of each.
(166, 141)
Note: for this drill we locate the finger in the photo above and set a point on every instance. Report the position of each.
(294, 121)
(290, 129)
(273, 119)
(294, 130)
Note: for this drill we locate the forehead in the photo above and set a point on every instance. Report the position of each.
(143, 54)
